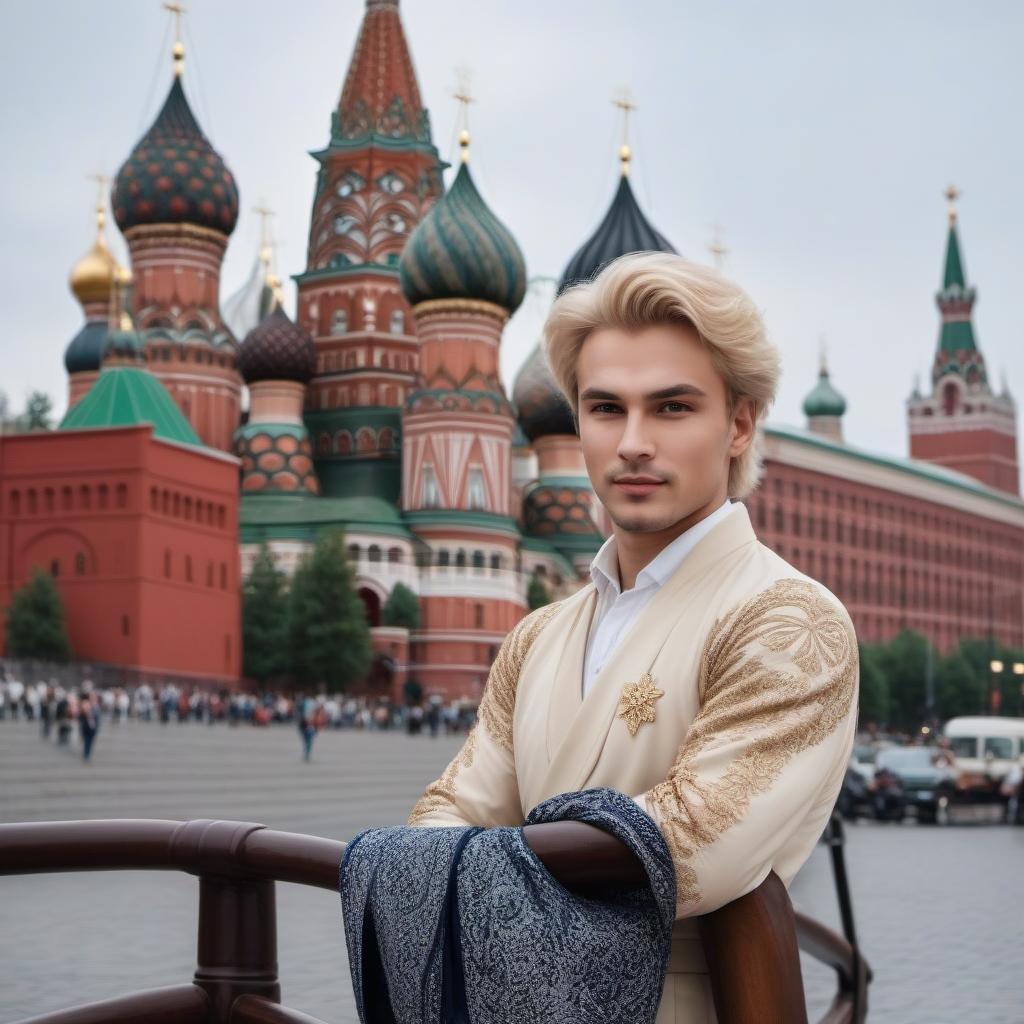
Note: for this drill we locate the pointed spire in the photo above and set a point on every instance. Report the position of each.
(624, 229)
(381, 95)
(957, 350)
(954, 268)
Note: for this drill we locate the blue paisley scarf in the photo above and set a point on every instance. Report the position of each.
(466, 925)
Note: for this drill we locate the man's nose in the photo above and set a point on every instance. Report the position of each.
(635, 443)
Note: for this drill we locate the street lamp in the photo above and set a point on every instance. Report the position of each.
(994, 695)
(1018, 670)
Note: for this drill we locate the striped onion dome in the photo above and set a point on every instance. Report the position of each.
(460, 250)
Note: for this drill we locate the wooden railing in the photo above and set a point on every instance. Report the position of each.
(751, 944)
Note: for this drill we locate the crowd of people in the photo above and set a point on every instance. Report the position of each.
(59, 710)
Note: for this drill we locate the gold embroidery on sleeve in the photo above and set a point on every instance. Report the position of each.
(769, 712)
(496, 709)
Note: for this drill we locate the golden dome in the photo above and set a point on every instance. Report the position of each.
(92, 277)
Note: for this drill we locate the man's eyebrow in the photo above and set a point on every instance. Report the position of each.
(670, 392)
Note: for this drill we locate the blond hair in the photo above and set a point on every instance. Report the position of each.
(648, 288)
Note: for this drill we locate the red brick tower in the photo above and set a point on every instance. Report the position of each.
(177, 204)
(378, 176)
(464, 275)
(963, 423)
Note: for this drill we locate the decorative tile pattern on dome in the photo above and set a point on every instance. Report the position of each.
(275, 460)
(549, 511)
(174, 175)
(540, 407)
(277, 349)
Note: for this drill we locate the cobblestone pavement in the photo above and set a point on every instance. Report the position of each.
(938, 911)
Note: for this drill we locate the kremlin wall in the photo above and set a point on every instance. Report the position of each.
(380, 410)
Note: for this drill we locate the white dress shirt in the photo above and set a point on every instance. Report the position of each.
(617, 609)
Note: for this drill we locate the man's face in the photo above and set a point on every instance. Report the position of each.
(652, 406)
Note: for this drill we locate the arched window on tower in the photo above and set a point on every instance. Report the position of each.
(950, 399)
(476, 496)
(398, 322)
(339, 322)
(431, 493)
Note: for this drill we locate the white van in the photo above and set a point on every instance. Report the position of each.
(991, 746)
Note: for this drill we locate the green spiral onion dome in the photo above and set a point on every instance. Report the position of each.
(460, 250)
(174, 175)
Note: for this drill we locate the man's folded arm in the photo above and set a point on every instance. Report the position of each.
(479, 787)
(778, 685)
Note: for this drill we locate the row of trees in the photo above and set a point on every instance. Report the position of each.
(313, 630)
(906, 682)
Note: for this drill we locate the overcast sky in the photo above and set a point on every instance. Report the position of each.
(819, 135)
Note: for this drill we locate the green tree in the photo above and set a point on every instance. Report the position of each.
(904, 664)
(38, 412)
(402, 608)
(537, 594)
(265, 619)
(35, 621)
(330, 637)
(959, 689)
(874, 689)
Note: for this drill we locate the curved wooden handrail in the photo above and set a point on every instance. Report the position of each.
(750, 944)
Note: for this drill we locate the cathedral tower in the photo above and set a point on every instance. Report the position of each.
(464, 275)
(378, 176)
(962, 423)
(177, 204)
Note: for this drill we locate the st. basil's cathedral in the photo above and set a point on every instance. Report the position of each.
(380, 410)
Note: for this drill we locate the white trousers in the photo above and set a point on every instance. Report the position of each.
(687, 997)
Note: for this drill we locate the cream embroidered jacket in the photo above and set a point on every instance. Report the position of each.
(751, 682)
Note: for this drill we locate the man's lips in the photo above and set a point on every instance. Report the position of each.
(638, 486)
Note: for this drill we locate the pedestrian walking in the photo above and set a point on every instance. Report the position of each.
(88, 723)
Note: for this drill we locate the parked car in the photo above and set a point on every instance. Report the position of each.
(929, 788)
(855, 797)
(986, 745)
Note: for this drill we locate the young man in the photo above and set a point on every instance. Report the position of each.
(698, 671)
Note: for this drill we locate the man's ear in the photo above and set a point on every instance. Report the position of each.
(743, 427)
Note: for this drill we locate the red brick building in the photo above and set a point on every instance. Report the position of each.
(138, 525)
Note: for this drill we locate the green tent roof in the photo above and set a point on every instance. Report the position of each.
(954, 271)
(125, 396)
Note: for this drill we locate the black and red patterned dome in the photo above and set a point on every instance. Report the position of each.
(174, 175)
(277, 349)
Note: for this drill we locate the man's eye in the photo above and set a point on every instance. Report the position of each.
(678, 407)
(603, 406)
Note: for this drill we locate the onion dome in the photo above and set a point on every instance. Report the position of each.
(84, 353)
(624, 229)
(92, 277)
(824, 400)
(541, 409)
(460, 250)
(174, 175)
(278, 349)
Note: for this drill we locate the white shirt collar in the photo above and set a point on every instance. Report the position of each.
(604, 569)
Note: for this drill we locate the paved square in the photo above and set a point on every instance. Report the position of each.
(938, 909)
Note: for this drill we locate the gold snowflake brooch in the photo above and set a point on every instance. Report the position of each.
(636, 705)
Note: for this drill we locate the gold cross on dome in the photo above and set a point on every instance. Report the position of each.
(178, 51)
(464, 96)
(624, 101)
(636, 705)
